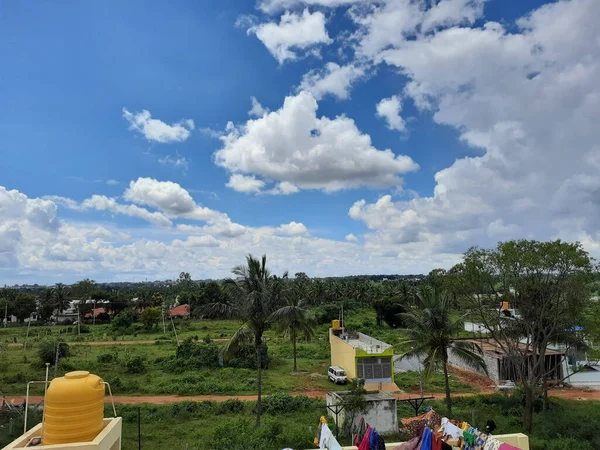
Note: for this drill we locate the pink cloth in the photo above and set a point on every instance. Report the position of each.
(364, 445)
(508, 447)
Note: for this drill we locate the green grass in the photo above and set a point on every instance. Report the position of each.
(409, 382)
(18, 366)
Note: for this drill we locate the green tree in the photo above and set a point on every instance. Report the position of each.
(355, 403)
(24, 305)
(253, 297)
(150, 317)
(431, 330)
(61, 301)
(547, 283)
(292, 319)
(47, 305)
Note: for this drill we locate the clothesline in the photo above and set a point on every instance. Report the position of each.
(433, 432)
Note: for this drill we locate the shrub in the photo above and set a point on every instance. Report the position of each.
(48, 351)
(136, 364)
(245, 358)
(103, 318)
(282, 402)
(106, 358)
(122, 321)
(232, 405)
(193, 355)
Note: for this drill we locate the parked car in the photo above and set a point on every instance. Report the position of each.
(337, 375)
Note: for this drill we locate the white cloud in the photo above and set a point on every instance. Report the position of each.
(197, 241)
(244, 183)
(332, 79)
(179, 162)
(157, 130)
(452, 12)
(275, 6)
(389, 109)
(257, 109)
(165, 195)
(295, 146)
(293, 229)
(112, 182)
(103, 203)
(294, 35)
(351, 238)
(284, 188)
(500, 90)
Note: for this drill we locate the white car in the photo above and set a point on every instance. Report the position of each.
(337, 375)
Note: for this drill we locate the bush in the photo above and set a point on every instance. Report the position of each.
(245, 358)
(107, 358)
(48, 351)
(230, 406)
(136, 364)
(282, 402)
(103, 318)
(122, 321)
(241, 434)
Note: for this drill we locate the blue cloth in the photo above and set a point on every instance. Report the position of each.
(373, 440)
(426, 440)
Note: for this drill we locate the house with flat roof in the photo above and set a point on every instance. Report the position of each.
(362, 356)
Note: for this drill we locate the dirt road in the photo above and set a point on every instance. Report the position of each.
(574, 394)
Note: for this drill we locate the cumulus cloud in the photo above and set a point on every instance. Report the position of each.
(295, 36)
(257, 109)
(501, 89)
(389, 110)
(275, 6)
(351, 238)
(293, 229)
(178, 162)
(157, 130)
(332, 79)
(295, 146)
(244, 183)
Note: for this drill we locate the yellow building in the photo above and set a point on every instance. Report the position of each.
(361, 356)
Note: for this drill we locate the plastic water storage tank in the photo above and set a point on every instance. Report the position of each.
(74, 408)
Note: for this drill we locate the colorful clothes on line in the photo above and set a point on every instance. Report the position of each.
(413, 444)
(426, 440)
(480, 440)
(364, 444)
(333, 444)
(492, 444)
(507, 447)
(373, 440)
(469, 441)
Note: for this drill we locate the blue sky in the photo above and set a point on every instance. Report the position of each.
(114, 133)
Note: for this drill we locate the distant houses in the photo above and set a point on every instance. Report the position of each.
(181, 311)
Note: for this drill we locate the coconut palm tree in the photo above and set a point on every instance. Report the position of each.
(292, 319)
(432, 330)
(59, 292)
(254, 295)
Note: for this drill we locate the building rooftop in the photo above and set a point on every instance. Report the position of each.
(364, 342)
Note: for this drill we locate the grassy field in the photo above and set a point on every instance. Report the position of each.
(409, 382)
(19, 365)
(291, 422)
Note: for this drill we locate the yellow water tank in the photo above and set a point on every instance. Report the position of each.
(335, 324)
(74, 408)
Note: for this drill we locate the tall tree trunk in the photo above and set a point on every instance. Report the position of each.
(258, 345)
(528, 413)
(447, 382)
(294, 347)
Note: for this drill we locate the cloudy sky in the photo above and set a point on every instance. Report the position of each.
(140, 139)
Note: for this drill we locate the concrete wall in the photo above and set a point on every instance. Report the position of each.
(590, 380)
(381, 413)
(342, 354)
(490, 361)
(108, 439)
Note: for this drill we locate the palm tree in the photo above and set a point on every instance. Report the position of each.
(431, 330)
(254, 295)
(59, 292)
(292, 319)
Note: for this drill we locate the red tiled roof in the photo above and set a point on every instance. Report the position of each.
(181, 310)
(96, 312)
